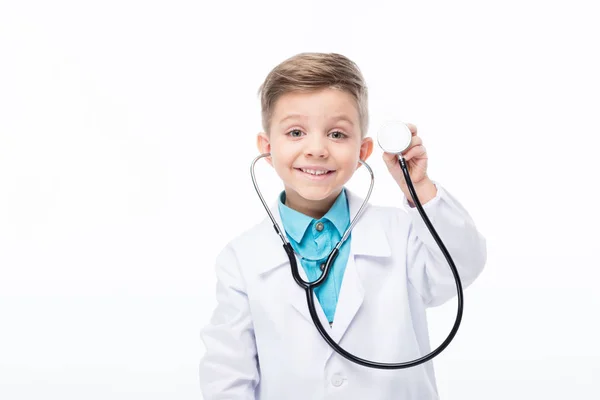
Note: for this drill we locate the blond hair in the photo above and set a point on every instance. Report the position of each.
(306, 72)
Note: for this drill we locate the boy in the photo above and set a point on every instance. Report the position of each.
(261, 342)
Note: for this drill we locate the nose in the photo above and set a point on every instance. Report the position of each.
(316, 146)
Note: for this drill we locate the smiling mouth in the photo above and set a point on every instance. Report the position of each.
(315, 172)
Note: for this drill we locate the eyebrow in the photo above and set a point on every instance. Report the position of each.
(337, 118)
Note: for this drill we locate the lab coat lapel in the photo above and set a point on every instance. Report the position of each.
(274, 256)
(350, 299)
(367, 239)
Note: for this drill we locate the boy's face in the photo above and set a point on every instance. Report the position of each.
(315, 144)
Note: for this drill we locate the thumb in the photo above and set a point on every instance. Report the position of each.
(391, 160)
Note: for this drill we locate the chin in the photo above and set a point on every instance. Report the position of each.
(316, 194)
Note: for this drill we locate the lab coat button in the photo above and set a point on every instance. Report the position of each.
(319, 226)
(337, 380)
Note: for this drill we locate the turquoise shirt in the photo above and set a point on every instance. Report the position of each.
(313, 240)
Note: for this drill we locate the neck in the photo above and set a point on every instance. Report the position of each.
(313, 208)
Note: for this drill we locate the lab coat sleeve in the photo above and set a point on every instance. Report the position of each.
(229, 368)
(428, 270)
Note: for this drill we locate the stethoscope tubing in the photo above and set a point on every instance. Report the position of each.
(310, 286)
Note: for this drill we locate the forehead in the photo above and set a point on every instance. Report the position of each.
(324, 104)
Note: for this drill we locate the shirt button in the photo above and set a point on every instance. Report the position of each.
(319, 226)
(322, 267)
(337, 380)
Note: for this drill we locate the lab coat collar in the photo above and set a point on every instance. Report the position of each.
(367, 237)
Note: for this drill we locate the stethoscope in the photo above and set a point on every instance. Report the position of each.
(394, 138)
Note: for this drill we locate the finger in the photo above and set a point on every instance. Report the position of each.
(417, 151)
(388, 156)
(414, 141)
(412, 127)
(390, 159)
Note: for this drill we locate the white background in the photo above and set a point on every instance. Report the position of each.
(126, 134)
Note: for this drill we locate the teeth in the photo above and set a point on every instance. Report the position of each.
(314, 171)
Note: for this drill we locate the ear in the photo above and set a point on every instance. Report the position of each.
(264, 145)
(366, 148)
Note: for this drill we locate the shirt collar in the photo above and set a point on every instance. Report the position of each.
(369, 236)
(296, 223)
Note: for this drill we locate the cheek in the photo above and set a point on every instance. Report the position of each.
(281, 158)
(284, 152)
(348, 158)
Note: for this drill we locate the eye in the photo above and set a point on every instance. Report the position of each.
(295, 133)
(338, 135)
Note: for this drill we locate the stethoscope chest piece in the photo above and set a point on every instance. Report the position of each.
(394, 137)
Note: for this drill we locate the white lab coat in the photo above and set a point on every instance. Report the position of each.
(262, 344)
